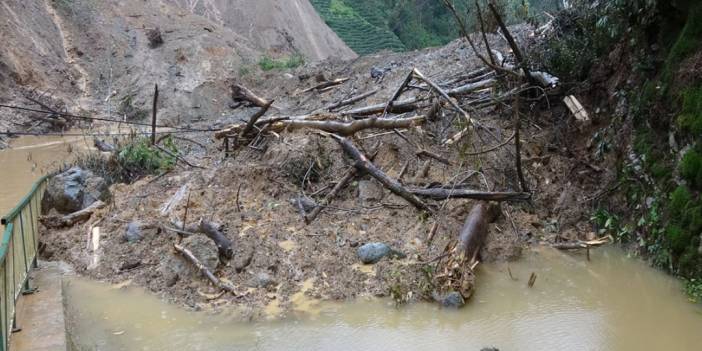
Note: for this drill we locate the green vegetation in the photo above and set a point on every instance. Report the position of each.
(369, 26)
(267, 63)
(133, 159)
(665, 204)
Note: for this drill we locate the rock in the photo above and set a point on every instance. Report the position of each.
(73, 190)
(176, 265)
(133, 232)
(489, 349)
(369, 192)
(374, 252)
(130, 264)
(262, 280)
(305, 202)
(155, 38)
(450, 300)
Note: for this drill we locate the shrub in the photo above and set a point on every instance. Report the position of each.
(691, 168)
(267, 63)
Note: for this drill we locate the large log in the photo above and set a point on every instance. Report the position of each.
(474, 231)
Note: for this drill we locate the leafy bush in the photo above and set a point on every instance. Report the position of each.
(691, 168)
(267, 63)
(140, 158)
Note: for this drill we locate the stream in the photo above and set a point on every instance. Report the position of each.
(613, 302)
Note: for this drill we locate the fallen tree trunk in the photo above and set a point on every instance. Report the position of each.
(474, 231)
(203, 270)
(448, 193)
(72, 218)
(364, 165)
(401, 106)
(454, 278)
(252, 121)
(349, 128)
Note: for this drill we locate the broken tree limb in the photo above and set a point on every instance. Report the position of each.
(351, 100)
(242, 93)
(512, 43)
(517, 146)
(203, 270)
(401, 106)
(252, 121)
(72, 218)
(327, 84)
(398, 92)
(448, 193)
(224, 245)
(426, 153)
(363, 164)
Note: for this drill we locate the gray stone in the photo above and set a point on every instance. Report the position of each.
(133, 232)
(374, 252)
(305, 202)
(452, 299)
(489, 349)
(204, 249)
(73, 190)
(176, 266)
(369, 192)
(262, 280)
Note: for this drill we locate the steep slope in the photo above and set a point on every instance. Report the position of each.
(280, 26)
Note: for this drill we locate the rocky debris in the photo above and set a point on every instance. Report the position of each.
(369, 192)
(451, 299)
(103, 146)
(155, 38)
(133, 233)
(262, 280)
(202, 248)
(373, 252)
(74, 190)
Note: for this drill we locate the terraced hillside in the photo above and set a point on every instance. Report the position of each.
(363, 29)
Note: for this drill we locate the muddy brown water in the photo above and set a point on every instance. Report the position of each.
(27, 159)
(613, 302)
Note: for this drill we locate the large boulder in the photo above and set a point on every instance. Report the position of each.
(373, 252)
(74, 190)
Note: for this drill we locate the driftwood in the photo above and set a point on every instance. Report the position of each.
(351, 100)
(242, 93)
(72, 218)
(364, 165)
(579, 245)
(203, 270)
(448, 193)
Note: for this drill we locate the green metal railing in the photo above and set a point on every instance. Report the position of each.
(18, 254)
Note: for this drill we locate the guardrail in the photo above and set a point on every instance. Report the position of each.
(18, 254)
